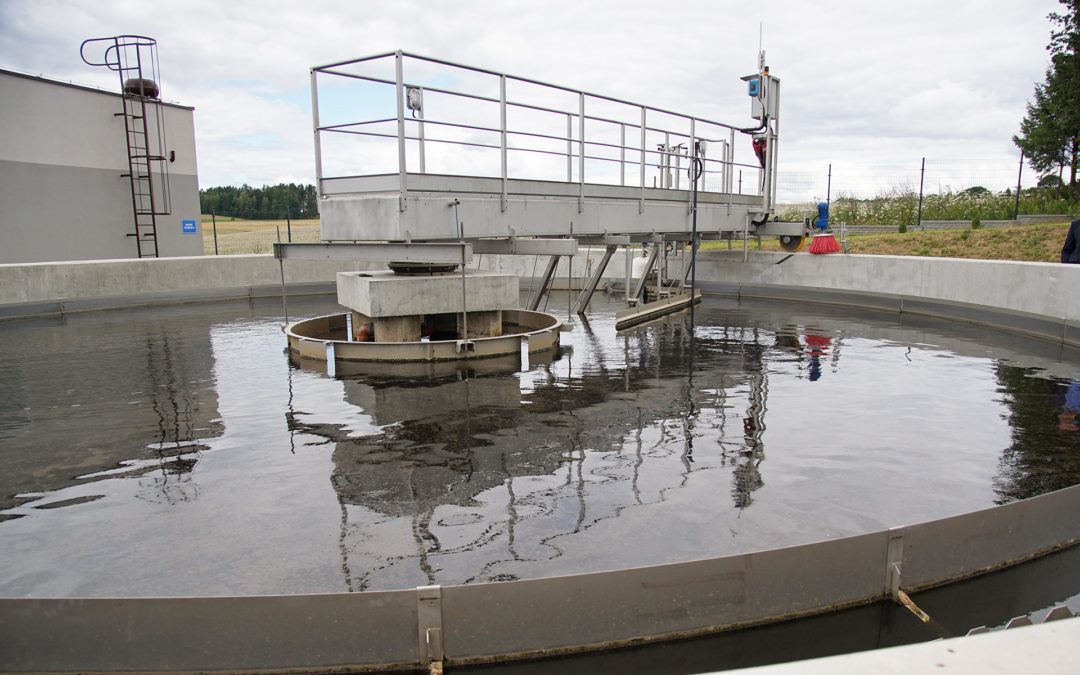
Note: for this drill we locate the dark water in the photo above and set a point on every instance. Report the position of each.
(175, 451)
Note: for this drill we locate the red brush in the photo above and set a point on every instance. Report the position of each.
(824, 243)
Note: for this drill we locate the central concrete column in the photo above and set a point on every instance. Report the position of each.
(483, 324)
(398, 328)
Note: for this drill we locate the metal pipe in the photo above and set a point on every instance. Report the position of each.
(571, 90)
(360, 60)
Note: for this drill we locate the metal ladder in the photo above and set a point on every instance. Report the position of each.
(134, 58)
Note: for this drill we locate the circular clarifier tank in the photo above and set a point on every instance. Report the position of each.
(176, 451)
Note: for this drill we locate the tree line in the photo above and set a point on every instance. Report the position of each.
(270, 202)
(1050, 131)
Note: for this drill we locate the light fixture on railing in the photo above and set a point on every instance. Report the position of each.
(414, 99)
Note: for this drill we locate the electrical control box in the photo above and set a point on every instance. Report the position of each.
(764, 91)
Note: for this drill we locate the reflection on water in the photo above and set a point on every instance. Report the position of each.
(103, 396)
(188, 456)
(1044, 415)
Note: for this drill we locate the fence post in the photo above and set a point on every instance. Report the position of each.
(1020, 172)
(213, 221)
(922, 176)
(288, 223)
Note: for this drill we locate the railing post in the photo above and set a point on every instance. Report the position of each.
(665, 162)
(569, 148)
(641, 198)
(315, 130)
(400, 90)
(420, 132)
(502, 135)
(622, 153)
(690, 162)
(581, 153)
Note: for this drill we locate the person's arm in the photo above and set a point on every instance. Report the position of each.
(1070, 242)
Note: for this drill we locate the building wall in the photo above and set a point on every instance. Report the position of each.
(62, 192)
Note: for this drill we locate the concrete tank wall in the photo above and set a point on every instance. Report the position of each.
(49, 288)
(1049, 289)
(1033, 298)
(1041, 295)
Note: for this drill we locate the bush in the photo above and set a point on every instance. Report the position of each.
(976, 223)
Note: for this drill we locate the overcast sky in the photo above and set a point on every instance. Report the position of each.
(862, 82)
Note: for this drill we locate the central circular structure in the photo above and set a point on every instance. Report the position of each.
(420, 312)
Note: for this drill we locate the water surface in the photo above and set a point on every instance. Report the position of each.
(177, 451)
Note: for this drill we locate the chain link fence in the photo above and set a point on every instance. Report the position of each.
(926, 193)
(921, 193)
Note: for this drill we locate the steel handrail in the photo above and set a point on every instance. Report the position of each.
(489, 146)
(578, 145)
(540, 108)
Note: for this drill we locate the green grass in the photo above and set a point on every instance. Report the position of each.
(1037, 243)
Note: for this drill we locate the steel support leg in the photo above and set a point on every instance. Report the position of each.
(645, 273)
(582, 302)
(545, 283)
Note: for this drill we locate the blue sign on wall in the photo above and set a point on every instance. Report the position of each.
(188, 226)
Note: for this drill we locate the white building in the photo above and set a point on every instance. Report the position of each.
(65, 193)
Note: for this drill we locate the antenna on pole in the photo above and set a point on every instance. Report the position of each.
(761, 48)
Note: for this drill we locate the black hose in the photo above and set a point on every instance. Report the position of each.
(695, 170)
(753, 130)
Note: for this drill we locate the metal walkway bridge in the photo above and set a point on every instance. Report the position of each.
(422, 159)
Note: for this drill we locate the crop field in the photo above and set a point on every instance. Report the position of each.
(236, 236)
